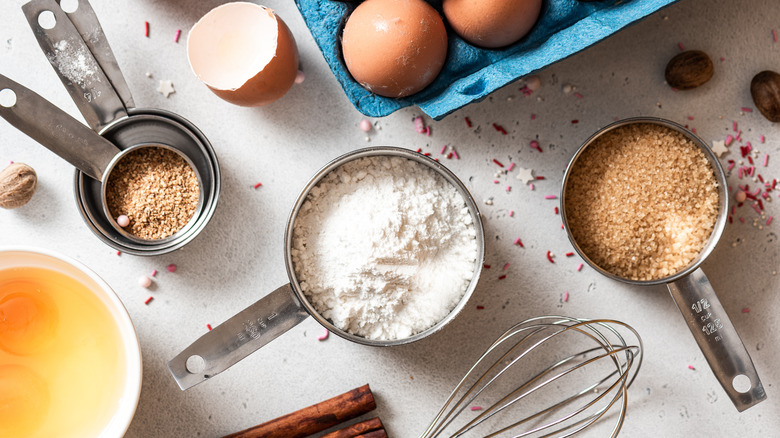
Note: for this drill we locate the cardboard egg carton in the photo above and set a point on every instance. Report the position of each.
(471, 73)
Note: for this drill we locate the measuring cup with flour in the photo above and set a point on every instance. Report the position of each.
(383, 247)
(644, 202)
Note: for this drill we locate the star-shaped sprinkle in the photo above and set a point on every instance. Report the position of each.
(719, 147)
(166, 88)
(525, 175)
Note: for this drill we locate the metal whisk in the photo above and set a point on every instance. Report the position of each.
(546, 376)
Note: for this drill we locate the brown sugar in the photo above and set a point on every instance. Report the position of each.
(156, 189)
(641, 201)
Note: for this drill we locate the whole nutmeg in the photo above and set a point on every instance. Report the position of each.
(765, 89)
(689, 69)
(17, 185)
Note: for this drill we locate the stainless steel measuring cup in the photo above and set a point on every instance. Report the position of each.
(76, 47)
(284, 308)
(690, 288)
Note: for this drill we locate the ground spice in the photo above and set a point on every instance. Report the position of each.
(156, 189)
(642, 201)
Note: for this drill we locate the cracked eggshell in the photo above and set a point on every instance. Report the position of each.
(394, 48)
(244, 53)
(491, 23)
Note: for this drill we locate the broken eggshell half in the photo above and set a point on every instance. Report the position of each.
(244, 53)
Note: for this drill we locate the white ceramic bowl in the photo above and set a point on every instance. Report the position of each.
(41, 258)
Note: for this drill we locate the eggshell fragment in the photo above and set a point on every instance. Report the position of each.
(244, 53)
(491, 23)
(394, 48)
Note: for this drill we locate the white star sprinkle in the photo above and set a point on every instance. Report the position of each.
(525, 175)
(166, 88)
(719, 147)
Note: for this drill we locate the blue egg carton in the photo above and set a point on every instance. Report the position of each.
(471, 73)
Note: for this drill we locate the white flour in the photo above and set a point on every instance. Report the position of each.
(384, 247)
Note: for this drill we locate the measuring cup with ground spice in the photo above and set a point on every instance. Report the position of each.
(644, 202)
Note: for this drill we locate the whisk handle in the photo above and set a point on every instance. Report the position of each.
(718, 339)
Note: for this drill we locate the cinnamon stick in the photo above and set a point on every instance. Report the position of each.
(315, 418)
(357, 429)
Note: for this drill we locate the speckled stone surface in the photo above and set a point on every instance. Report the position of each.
(239, 256)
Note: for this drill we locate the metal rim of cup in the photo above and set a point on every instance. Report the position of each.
(720, 177)
(128, 403)
(207, 202)
(438, 169)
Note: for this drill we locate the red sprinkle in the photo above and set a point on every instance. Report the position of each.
(575, 121)
(745, 310)
(502, 277)
(499, 128)
(506, 265)
(556, 210)
(148, 300)
(146, 29)
(533, 116)
(774, 35)
(171, 268)
(208, 326)
(746, 109)
(258, 185)
(519, 242)
(535, 145)
(468, 122)
(418, 150)
(480, 307)
(119, 253)
(539, 177)
(549, 257)
(680, 45)
(486, 266)
(178, 34)
(498, 163)
(569, 254)
(578, 95)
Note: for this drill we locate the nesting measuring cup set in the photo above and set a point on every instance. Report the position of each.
(287, 306)
(690, 288)
(76, 47)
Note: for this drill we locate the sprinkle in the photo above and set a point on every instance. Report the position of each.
(774, 35)
(449, 155)
(146, 29)
(735, 127)
(208, 326)
(148, 300)
(511, 166)
(511, 213)
(690, 367)
(533, 116)
(535, 145)
(506, 266)
(502, 277)
(575, 121)
(746, 109)
(579, 267)
(495, 181)
(443, 149)
(508, 188)
(540, 177)
(745, 310)
(550, 257)
(498, 163)
(476, 408)
(578, 95)
(418, 150)
(419, 125)
(171, 268)
(680, 45)
(762, 138)
(556, 210)
(154, 272)
(499, 128)
(258, 185)
(531, 186)
(729, 140)
(690, 117)
(519, 242)
(178, 34)
(486, 266)
(457, 157)
(144, 281)
(428, 131)
(766, 160)
(769, 221)
(480, 307)
(569, 254)
(468, 122)
(550, 197)
(565, 297)
(324, 335)
(119, 253)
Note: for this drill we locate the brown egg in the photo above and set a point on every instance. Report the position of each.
(244, 53)
(491, 23)
(394, 48)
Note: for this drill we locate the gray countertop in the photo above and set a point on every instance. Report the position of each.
(239, 256)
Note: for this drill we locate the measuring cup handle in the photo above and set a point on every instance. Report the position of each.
(236, 338)
(718, 339)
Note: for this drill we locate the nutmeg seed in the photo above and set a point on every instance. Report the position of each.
(689, 69)
(765, 89)
(17, 185)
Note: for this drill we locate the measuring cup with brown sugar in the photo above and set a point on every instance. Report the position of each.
(149, 168)
(644, 202)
